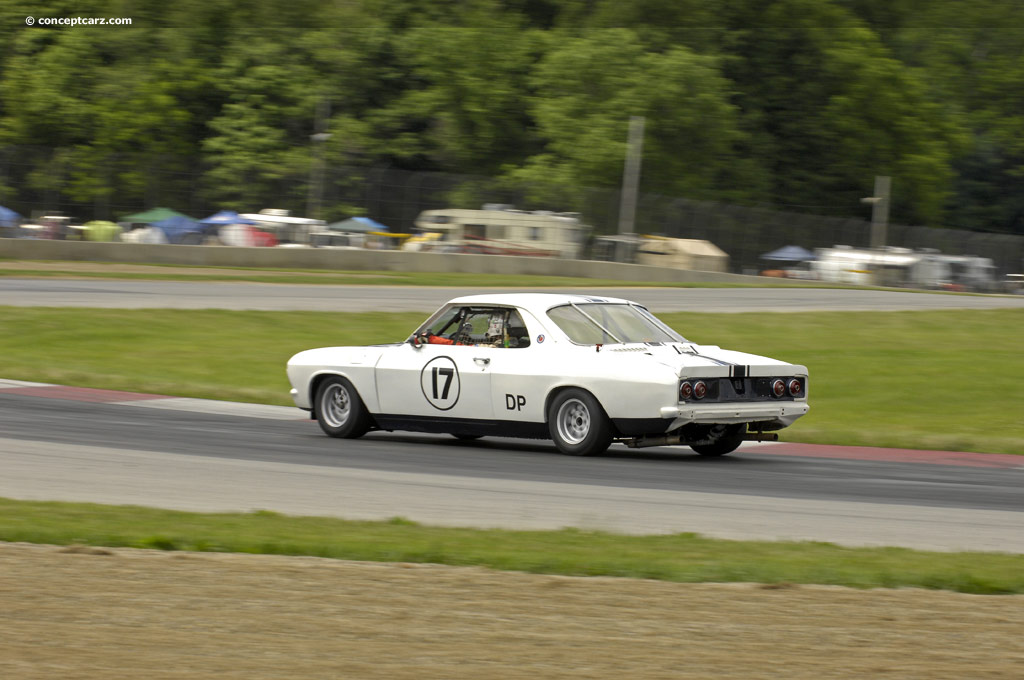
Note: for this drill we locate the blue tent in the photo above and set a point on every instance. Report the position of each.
(181, 230)
(789, 254)
(358, 225)
(225, 217)
(8, 218)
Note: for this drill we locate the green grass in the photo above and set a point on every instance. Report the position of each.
(340, 277)
(945, 380)
(948, 380)
(212, 354)
(174, 272)
(678, 557)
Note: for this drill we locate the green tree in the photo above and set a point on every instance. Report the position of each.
(259, 147)
(969, 56)
(586, 88)
(829, 107)
(450, 85)
(466, 104)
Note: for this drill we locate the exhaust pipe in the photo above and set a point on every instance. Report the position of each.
(644, 442)
(761, 437)
(672, 440)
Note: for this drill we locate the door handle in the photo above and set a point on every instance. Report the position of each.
(482, 360)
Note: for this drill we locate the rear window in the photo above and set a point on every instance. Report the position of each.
(604, 323)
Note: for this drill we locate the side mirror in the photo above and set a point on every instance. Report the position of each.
(416, 341)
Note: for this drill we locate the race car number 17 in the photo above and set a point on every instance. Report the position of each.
(440, 383)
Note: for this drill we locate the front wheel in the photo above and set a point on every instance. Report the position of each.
(724, 439)
(578, 425)
(339, 409)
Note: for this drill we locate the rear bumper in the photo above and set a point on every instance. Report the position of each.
(782, 413)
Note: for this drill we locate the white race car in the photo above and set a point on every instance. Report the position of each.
(583, 371)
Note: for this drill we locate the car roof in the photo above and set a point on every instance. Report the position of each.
(537, 303)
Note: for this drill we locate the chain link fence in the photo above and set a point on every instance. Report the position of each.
(36, 181)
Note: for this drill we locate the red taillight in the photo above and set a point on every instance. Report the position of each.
(795, 387)
(700, 390)
(685, 391)
(778, 388)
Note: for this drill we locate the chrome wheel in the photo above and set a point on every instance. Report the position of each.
(573, 421)
(339, 410)
(577, 423)
(336, 405)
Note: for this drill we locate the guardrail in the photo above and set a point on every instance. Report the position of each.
(358, 260)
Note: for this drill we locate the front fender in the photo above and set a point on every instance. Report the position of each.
(307, 368)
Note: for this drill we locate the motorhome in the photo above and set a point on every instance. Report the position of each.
(502, 230)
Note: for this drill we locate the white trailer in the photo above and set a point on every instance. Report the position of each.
(501, 230)
(891, 266)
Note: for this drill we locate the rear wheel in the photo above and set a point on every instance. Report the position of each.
(725, 439)
(577, 424)
(339, 410)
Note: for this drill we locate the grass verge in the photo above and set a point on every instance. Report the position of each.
(102, 270)
(679, 557)
(946, 380)
(204, 273)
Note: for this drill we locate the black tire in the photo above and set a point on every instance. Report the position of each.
(339, 409)
(465, 437)
(577, 424)
(729, 439)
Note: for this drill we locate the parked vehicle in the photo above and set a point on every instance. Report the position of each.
(283, 227)
(892, 266)
(502, 230)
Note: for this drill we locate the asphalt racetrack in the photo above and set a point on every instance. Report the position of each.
(73, 444)
(76, 444)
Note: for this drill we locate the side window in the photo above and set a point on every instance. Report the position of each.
(444, 323)
(479, 327)
(518, 336)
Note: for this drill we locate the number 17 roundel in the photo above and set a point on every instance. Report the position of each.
(439, 381)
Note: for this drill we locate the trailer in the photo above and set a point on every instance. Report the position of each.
(903, 267)
(501, 230)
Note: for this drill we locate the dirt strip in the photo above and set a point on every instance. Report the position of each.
(119, 613)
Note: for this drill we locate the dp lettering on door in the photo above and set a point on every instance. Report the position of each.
(515, 402)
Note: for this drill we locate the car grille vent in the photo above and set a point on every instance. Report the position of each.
(629, 349)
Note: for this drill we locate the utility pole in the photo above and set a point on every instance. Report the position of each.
(314, 197)
(631, 175)
(879, 210)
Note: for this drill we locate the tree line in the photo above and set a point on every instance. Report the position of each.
(788, 104)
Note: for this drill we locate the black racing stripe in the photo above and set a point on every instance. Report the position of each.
(717, 361)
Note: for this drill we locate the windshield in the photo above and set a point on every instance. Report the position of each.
(605, 323)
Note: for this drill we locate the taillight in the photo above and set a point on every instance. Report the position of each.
(795, 388)
(778, 388)
(685, 391)
(700, 390)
